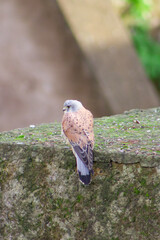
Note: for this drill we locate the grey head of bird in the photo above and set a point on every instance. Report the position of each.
(71, 106)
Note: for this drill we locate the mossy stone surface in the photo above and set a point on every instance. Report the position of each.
(41, 197)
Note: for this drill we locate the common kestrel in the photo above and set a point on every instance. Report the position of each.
(77, 127)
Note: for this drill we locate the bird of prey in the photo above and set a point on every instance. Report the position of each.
(77, 127)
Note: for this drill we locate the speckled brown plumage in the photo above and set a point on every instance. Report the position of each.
(77, 126)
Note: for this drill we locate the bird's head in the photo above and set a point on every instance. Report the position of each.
(71, 106)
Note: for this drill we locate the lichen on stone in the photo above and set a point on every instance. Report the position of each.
(41, 197)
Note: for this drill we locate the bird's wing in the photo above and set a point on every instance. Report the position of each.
(85, 154)
(79, 132)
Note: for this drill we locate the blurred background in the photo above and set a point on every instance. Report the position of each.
(103, 53)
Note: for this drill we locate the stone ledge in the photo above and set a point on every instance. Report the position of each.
(132, 137)
(41, 197)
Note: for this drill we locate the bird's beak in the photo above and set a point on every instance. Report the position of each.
(64, 109)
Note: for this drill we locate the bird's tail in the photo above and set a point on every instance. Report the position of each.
(83, 171)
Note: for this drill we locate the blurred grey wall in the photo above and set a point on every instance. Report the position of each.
(43, 63)
(40, 65)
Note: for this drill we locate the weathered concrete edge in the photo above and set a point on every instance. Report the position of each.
(10, 150)
(119, 138)
(130, 158)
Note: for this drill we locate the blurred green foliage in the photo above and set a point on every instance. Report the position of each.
(147, 48)
(149, 52)
(139, 9)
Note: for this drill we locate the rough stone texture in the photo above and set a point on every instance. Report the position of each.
(42, 199)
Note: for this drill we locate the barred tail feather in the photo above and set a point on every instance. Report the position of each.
(83, 171)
